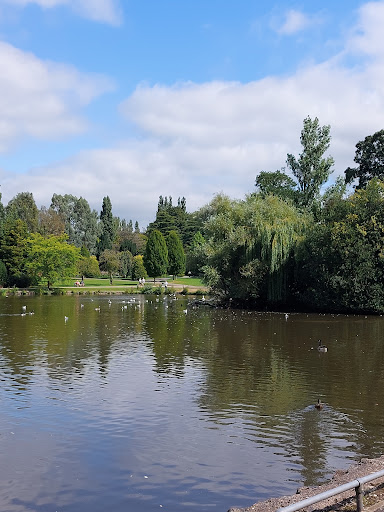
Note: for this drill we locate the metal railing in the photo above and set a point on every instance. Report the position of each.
(357, 484)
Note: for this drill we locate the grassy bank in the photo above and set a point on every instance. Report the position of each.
(184, 285)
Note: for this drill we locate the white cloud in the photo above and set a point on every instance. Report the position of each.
(199, 139)
(106, 11)
(367, 35)
(42, 99)
(295, 21)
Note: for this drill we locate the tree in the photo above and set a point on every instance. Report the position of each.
(110, 262)
(311, 169)
(370, 159)
(276, 183)
(2, 217)
(249, 247)
(3, 274)
(156, 255)
(23, 207)
(51, 257)
(13, 251)
(107, 226)
(138, 269)
(342, 268)
(126, 263)
(50, 222)
(195, 255)
(88, 266)
(170, 218)
(80, 221)
(176, 255)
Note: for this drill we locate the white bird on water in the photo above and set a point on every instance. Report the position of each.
(185, 311)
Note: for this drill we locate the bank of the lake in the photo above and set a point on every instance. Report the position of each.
(343, 502)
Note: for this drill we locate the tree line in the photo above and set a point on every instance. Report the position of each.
(295, 242)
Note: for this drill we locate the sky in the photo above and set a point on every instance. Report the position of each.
(140, 98)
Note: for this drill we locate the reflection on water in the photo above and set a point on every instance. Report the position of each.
(140, 406)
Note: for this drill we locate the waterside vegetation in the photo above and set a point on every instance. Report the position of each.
(300, 241)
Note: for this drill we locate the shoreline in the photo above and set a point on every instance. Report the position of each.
(373, 492)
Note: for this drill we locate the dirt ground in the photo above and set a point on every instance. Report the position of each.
(346, 502)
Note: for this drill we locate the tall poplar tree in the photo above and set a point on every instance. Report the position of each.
(311, 168)
(107, 226)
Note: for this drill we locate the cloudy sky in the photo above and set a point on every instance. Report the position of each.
(140, 98)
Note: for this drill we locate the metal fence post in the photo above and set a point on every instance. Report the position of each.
(359, 497)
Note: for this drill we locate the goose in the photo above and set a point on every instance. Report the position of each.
(321, 348)
(319, 405)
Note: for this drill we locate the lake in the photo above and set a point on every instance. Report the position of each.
(128, 403)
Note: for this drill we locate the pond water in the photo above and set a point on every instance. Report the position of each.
(130, 403)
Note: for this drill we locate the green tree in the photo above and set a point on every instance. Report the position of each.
(342, 268)
(126, 263)
(195, 256)
(276, 183)
(107, 226)
(311, 169)
(50, 222)
(23, 207)
(51, 257)
(250, 246)
(156, 255)
(81, 223)
(3, 274)
(176, 254)
(138, 269)
(88, 266)
(171, 218)
(110, 262)
(370, 159)
(13, 251)
(2, 217)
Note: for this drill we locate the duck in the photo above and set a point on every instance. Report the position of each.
(321, 348)
(319, 405)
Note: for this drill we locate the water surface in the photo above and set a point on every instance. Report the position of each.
(139, 406)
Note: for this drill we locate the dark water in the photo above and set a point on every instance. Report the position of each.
(141, 407)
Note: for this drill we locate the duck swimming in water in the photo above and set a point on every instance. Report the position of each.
(321, 348)
(319, 405)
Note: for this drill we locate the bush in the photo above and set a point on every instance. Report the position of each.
(21, 280)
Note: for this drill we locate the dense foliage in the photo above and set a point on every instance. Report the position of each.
(292, 243)
(156, 255)
(250, 246)
(176, 254)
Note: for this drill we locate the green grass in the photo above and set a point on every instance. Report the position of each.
(104, 281)
(119, 285)
(187, 281)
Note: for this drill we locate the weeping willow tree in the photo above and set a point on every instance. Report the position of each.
(250, 245)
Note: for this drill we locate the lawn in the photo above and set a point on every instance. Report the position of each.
(118, 283)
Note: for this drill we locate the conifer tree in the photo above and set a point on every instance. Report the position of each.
(107, 226)
(176, 255)
(156, 255)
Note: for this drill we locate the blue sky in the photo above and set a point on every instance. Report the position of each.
(136, 99)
